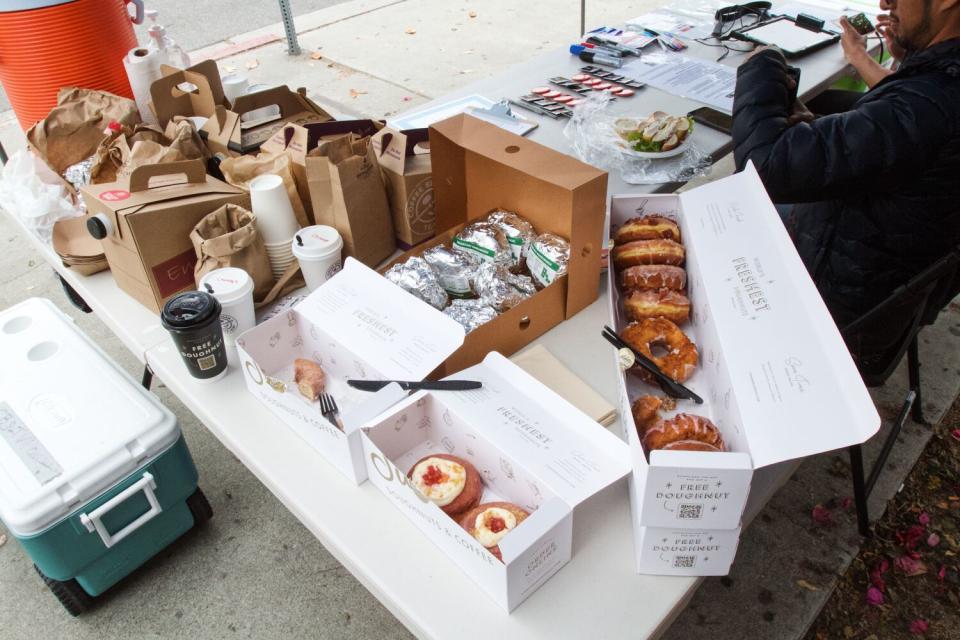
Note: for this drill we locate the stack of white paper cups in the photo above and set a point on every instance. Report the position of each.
(275, 220)
(317, 249)
(233, 289)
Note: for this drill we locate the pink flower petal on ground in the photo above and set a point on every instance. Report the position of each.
(933, 540)
(942, 573)
(876, 579)
(874, 597)
(924, 518)
(912, 537)
(883, 566)
(919, 627)
(910, 566)
(847, 502)
(956, 434)
(821, 515)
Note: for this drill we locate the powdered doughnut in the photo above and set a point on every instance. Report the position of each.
(648, 252)
(681, 357)
(653, 276)
(647, 228)
(663, 303)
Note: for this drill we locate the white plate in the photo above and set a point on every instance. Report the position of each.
(653, 155)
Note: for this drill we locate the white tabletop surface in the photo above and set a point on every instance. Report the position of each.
(597, 594)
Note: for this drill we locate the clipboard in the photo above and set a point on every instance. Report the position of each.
(784, 33)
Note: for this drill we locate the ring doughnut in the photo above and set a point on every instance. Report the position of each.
(653, 276)
(690, 445)
(681, 357)
(647, 228)
(681, 428)
(664, 303)
(646, 411)
(648, 252)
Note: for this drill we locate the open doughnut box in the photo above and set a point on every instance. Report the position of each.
(358, 325)
(530, 447)
(774, 373)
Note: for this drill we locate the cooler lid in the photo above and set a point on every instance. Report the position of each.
(72, 423)
(25, 5)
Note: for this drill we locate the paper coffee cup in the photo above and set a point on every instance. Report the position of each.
(233, 289)
(317, 249)
(270, 203)
(234, 86)
(193, 320)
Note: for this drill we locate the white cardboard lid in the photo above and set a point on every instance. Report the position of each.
(404, 337)
(801, 392)
(72, 423)
(571, 453)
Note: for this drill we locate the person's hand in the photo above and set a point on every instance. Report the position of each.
(761, 49)
(799, 113)
(887, 29)
(854, 45)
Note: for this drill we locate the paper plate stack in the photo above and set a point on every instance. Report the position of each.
(77, 248)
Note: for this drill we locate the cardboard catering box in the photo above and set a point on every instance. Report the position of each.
(149, 218)
(357, 326)
(479, 167)
(775, 374)
(530, 446)
(405, 163)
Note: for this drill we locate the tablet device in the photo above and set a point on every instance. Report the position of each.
(784, 34)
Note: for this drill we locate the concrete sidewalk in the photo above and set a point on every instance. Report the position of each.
(256, 572)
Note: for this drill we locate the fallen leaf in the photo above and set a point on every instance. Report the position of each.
(316, 55)
(354, 93)
(848, 632)
(3, 539)
(803, 584)
(919, 627)
(407, 98)
(466, 71)
(472, 14)
(874, 597)
(933, 540)
(252, 64)
(942, 505)
(410, 31)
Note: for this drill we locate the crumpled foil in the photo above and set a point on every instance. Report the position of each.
(520, 233)
(454, 269)
(594, 139)
(501, 289)
(486, 242)
(470, 313)
(417, 277)
(78, 175)
(548, 258)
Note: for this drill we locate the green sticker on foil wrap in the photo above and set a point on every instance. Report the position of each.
(473, 247)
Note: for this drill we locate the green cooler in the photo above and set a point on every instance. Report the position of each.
(95, 477)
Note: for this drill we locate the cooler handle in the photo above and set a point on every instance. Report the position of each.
(92, 520)
(138, 18)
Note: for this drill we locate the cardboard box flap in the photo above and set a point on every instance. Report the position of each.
(171, 99)
(289, 102)
(395, 148)
(152, 184)
(573, 455)
(779, 339)
(401, 336)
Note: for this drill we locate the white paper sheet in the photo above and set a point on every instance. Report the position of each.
(682, 75)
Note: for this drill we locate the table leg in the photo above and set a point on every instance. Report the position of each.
(73, 296)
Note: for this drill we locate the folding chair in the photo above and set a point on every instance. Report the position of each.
(916, 305)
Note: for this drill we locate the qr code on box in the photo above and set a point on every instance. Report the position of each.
(690, 511)
(684, 562)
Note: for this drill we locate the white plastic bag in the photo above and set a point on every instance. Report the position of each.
(38, 202)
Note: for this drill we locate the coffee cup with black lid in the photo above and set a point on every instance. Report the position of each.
(193, 320)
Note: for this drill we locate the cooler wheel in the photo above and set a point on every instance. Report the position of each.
(199, 507)
(70, 594)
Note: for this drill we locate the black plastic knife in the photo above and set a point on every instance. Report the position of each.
(441, 385)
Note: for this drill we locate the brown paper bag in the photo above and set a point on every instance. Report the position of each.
(347, 193)
(240, 171)
(228, 237)
(74, 128)
(119, 154)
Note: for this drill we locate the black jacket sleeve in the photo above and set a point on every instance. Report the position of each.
(897, 127)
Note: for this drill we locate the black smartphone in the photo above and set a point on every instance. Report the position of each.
(713, 119)
(861, 23)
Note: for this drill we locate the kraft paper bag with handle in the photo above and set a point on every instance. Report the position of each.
(240, 171)
(348, 194)
(228, 237)
(119, 154)
(74, 128)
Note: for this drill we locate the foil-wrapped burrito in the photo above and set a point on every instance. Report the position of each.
(470, 313)
(520, 233)
(78, 175)
(454, 269)
(501, 289)
(486, 242)
(417, 277)
(548, 258)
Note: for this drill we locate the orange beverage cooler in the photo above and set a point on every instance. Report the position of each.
(49, 44)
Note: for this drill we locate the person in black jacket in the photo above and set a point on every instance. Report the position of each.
(877, 188)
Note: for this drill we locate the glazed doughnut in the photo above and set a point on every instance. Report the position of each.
(664, 303)
(646, 411)
(647, 228)
(653, 276)
(648, 252)
(451, 483)
(681, 357)
(488, 523)
(681, 427)
(690, 445)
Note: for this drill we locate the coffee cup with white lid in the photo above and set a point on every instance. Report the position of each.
(233, 289)
(318, 249)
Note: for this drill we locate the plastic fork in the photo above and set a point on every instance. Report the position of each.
(329, 410)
